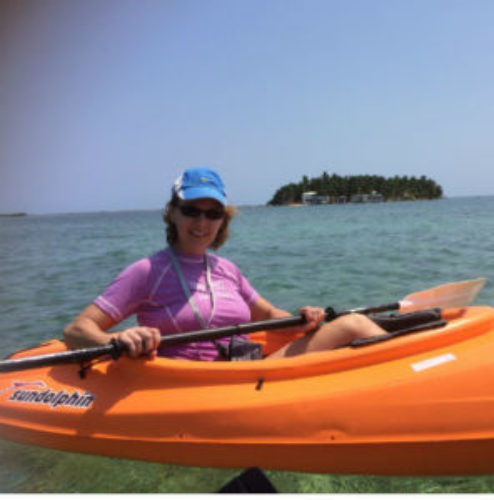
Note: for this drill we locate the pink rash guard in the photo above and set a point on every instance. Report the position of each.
(150, 288)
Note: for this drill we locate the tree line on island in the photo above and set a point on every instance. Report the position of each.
(341, 189)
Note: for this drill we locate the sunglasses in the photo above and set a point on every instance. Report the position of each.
(211, 214)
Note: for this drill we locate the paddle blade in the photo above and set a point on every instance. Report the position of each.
(457, 294)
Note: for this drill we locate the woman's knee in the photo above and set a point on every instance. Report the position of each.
(331, 335)
(339, 332)
(357, 325)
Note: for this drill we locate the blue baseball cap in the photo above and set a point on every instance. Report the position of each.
(200, 182)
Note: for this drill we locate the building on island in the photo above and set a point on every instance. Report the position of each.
(367, 198)
(312, 198)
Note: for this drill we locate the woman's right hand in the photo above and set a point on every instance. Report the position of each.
(140, 340)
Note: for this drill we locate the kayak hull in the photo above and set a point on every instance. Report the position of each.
(417, 405)
(426, 458)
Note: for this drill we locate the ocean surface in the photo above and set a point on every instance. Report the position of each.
(345, 256)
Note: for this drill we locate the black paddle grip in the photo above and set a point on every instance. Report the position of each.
(118, 348)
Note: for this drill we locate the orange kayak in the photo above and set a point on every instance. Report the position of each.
(421, 404)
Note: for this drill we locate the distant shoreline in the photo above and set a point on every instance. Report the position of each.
(239, 205)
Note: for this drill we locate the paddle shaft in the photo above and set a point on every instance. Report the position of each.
(58, 358)
(116, 348)
(257, 326)
(459, 294)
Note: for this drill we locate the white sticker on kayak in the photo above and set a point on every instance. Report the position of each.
(432, 362)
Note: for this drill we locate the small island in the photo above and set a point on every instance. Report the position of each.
(13, 214)
(334, 188)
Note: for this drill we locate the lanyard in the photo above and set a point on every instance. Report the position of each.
(187, 292)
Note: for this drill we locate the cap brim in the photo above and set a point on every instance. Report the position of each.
(190, 194)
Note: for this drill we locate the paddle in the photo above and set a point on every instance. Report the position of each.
(449, 295)
(459, 294)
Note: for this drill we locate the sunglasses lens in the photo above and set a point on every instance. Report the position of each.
(214, 214)
(191, 211)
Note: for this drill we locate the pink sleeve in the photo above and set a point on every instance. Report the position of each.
(247, 291)
(122, 297)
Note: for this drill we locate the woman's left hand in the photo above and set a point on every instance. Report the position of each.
(313, 315)
(263, 310)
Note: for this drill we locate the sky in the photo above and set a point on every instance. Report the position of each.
(104, 102)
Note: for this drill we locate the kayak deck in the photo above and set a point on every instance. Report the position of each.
(415, 405)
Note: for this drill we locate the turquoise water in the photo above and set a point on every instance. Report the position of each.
(344, 256)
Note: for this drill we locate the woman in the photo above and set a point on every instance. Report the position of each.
(184, 288)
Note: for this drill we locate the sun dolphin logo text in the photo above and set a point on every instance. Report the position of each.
(53, 399)
(17, 384)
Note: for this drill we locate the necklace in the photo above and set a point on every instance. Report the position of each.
(185, 288)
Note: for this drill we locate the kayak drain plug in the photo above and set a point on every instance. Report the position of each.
(260, 383)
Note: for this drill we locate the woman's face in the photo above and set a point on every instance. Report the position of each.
(197, 223)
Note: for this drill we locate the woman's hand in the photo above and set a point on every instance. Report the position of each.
(263, 310)
(314, 317)
(91, 327)
(140, 340)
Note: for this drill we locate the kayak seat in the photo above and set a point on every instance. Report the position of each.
(396, 321)
(402, 324)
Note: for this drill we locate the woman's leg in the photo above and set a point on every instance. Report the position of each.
(336, 333)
